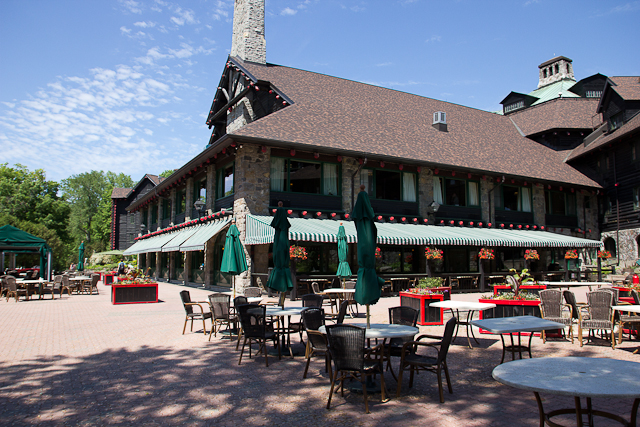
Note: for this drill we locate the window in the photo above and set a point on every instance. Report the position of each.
(559, 203)
(200, 190)
(455, 192)
(389, 185)
(166, 209)
(514, 106)
(516, 198)
(636, 198)
(154, 215)
(225, 181)
(304, 177)
(615, 121)
(635, 147)
(594, 93)
(181, 201)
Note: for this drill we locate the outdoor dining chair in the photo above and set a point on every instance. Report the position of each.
(414, 361)
(551, 308)
(237, 302)
(601, 315)
(350, 297)
(54, 286)
(401, 315)
(65, 284)
(220, 306)
(91, 284)
(13, 290)
(194, 315)
(255, 328)
(352, 360)
(3, 285)
(308, 300)
(631, 318)
(342, 312)
(312, 319)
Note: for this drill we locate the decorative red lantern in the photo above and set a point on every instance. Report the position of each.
(471, 223)
(436, 171)
(542, 227)
(419, 169)
(318, 213)
(489, 225)
(415, 219)
(460, 223)
(292, 152)
(304, 213)
(264, 149)
(401, 167)
(403, 219)
(502, 225)
(333, 214)
(346, 216)
(425, 220)
(273, 210)
(339, 158)
(391, 218)
(379, 217)
(452, 222)
(289, 211)
(520, 226)
(381, 164)
(453, 173)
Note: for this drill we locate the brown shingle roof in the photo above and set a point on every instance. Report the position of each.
(340, 115)
(120, 193)
(627, 87)
(631, 126)
(559, 113)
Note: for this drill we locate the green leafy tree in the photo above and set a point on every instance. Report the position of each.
(167, 173)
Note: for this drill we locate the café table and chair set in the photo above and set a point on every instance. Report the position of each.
(13, 287)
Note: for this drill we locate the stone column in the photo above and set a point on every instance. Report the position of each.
(349, 167)
(539, 210)
(159, 216)
(425, 191)
(188, 197)
(174, 208)
(251, 195)
(187, 266)
(487, 210)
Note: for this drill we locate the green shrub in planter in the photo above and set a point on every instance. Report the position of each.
(429, 282)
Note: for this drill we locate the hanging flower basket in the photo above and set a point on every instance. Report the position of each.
(378, 253)
(571, 254)
(297, 252)
(531, 254)
(604, 254)
(486, 253)
(433, 253)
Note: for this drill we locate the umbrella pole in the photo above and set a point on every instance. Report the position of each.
(368, 317)
(233, 283)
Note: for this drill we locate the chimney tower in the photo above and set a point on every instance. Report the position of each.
(556, 69)
(248, 42)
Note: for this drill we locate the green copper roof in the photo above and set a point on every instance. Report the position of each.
(553, 91)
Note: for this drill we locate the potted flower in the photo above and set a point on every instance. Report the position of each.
(486, 253)
(297, 252)
(432, 256)
(571, 254)
(604, 254)
(517, 298)
(531, 254)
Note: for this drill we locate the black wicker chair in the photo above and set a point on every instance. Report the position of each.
(313, 318)
(350, 297)
(327, 301)
(551, 308)
(631, 318)
(194, 315)
(342, 312)
(256, 329)
(415, 361)
(601, 315)
(220, 306)
(308, 300)
(352, 360)
(237, 302)
(54, 286)
(400, 315)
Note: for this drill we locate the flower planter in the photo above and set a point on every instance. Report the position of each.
(623, 292)
(532, 289)
(427, 315)
(108, 278)
(137, 293)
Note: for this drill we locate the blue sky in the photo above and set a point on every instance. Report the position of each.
(126, 85)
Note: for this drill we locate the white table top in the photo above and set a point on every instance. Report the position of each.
(338, 291)
(80, 278)
(573, 284)
(384, 330)
(462, 305)
(30, 282)
(631, 308)
(276, 310)
(507, 325)
(572, 376)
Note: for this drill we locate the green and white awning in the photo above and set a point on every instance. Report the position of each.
(197, 241)
(260, 232)
(173, 245)
(152, 244)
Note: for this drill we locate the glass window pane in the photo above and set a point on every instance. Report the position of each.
(557, 203)
(455, 191)
(388, 185)
(278, 174)
(330, 178)
(474, 198)
(408, 187)
(366, 179)
(510, 198)
(227, 181)
(304, 177)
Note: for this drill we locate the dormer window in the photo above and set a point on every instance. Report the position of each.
(514, 106)
(440, 121)
(593, 94)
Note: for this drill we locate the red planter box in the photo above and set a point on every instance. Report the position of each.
(533, 289)
(427, 315)
(624, 292)
(108, 278)
(140, 293)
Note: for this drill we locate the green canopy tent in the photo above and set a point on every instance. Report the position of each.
(369, 284)
(14, 240)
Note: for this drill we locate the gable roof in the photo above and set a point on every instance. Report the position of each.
(120, 193)
(628, 87)
(353, 118)
(559, 113)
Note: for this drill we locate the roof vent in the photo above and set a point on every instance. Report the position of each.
(440, 121)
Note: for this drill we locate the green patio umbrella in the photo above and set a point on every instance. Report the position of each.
(234, 260)
(280, 277)
(369, 284)
(344, 271)
(80, 266)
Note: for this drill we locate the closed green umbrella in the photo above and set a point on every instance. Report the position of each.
(234, 260)
(80, 266)
(344, 271)
(369, 284)
(280, 277)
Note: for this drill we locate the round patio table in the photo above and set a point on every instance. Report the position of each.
(470, 307)
(579, 377)
(282, 313)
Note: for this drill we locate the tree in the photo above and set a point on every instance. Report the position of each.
(167, 173)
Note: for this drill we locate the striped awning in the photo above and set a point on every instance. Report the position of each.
(260, 232)
(152, 244)
(173, 245)
(197, 241)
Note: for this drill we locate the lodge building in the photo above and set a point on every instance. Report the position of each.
(438, 174)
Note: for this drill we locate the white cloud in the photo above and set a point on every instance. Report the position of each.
(287, 11)
(627, 7)
(433, 39)
(145, 24)
(131, 5)
(384, 64)
(184, 17)
(125, 30)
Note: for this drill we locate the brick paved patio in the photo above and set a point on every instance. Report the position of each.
(81, 361)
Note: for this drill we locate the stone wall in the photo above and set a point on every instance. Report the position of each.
(248, 41)
(425, 191)
(628, 250)
(349, 167)
(487, 209)
(539, 209)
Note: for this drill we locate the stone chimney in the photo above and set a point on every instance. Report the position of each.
(248, 41)
(554, 70)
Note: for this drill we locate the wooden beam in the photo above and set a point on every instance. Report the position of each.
(229, 104)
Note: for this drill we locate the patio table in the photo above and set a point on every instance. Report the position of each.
(572, 284)
(470, 307)
(631, 309)
(578, 377)
(281, 313)
(517, 325)
(29, 286)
